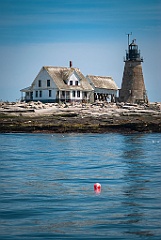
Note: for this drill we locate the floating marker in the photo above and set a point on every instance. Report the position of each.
(97, 187)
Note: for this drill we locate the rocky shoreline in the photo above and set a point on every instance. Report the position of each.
(100, 117)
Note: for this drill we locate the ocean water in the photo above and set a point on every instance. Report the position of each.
(46, 186)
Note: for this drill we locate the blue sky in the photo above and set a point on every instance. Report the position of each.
(90, 33)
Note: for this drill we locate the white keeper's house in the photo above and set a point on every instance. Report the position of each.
(67, 84)
(59, 84)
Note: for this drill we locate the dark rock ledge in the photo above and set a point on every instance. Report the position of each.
(79, 118)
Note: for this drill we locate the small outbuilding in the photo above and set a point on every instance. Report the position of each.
(104, 88)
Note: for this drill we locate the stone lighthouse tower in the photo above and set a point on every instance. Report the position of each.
(133, 87)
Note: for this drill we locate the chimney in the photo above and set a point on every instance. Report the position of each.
(70, 64)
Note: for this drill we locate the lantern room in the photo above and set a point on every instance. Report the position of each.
(133, 53)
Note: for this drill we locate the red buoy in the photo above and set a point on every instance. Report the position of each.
(97, 187)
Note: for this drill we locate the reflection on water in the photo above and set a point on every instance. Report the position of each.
(137, 187)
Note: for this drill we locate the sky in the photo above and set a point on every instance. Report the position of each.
(91, 34)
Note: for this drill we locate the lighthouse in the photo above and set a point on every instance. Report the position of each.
(133, 87)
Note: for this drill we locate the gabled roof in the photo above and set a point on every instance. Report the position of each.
(61, 74)
(103, 82)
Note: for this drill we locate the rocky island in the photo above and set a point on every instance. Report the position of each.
(99, 117)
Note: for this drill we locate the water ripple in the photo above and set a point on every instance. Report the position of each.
(46, 186)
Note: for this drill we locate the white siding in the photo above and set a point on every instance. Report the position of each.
(45, 94)
(43, 76)
(76, 97)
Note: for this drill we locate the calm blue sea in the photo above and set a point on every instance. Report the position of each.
(46, 186)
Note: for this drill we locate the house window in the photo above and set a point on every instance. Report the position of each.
(78, 94)
(31, 95)
(73, 93)
(67, 94)
(85, 94)
(39, 83)
(76, 83)
(40, 94)
(48, 83)
(71, 82)
(49, 93)
(63, 93)
(36, 94)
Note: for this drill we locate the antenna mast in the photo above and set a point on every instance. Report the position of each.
(128, 37)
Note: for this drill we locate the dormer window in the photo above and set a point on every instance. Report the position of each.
(73, 80)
